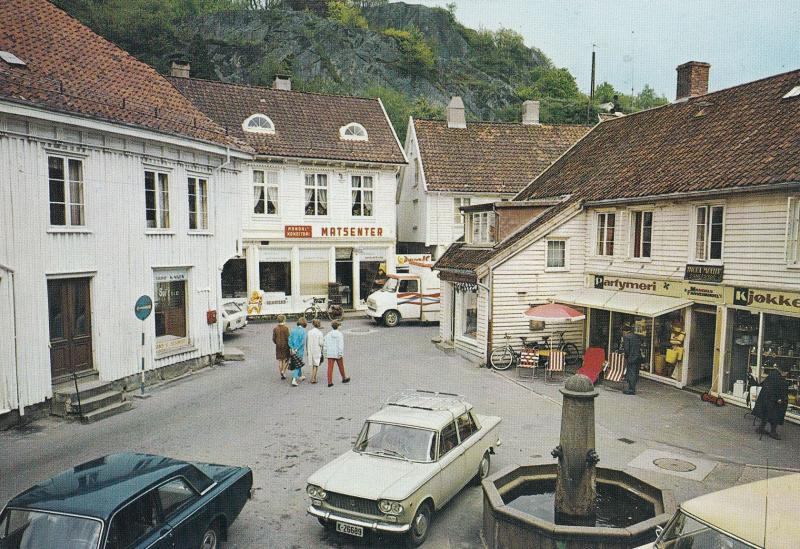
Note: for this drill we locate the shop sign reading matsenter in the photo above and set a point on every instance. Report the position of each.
(705, 293)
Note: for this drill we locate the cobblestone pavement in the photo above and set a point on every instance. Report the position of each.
(242, 413)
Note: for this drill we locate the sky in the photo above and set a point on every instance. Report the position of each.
(641, 42)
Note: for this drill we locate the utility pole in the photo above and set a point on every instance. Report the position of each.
(591, 89)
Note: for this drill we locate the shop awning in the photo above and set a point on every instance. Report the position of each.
(622, 302)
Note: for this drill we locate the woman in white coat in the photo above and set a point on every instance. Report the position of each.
(316, 348)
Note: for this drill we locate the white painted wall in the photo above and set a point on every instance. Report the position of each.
(442, 229)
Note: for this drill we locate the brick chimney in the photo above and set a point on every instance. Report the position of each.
(530, 113)
(282, 82)
(180, 69)
(692, 79)
(455, 113)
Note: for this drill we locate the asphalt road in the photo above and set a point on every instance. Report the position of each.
(241, 413)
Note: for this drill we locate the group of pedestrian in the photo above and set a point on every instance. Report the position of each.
(292, 347)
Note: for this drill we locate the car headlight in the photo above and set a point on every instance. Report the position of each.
(316, 492)
(390, 507)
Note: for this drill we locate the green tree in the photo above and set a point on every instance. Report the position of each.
(346, 14)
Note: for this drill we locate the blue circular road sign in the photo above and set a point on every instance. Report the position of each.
(143, 307)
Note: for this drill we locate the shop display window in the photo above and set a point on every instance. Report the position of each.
(781, 348)
(372, 276)
(469, 311)
(642, 325)
(668, 344)
(314, 278)
(275, 276)
(234, 278)
(743, 357)
(170, 312)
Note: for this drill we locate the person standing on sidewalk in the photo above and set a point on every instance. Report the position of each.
(772, 401)
(316, 345)
(297, 346)
(334, 350)
(632, 347)
(280, 337)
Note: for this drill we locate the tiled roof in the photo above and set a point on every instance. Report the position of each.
(738, 137)
(68, 68)
(489, 157)
(306, 124)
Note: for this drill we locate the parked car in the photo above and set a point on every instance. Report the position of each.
(761, 514)
(128, 501)
(409, 460)
(234, 316)
(414, 295)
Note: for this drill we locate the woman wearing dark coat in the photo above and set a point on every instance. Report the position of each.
(772, 402)
(280, 337)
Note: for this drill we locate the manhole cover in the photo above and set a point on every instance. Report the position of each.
(360, 331)
(672, 464)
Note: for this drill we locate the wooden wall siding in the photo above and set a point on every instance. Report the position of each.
(411, 214)
(8, 388)
(114, 251)
(441, 229)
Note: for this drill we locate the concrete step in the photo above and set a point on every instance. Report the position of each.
(107, 411)
(232, 353)
(88, 389)
(95, 402)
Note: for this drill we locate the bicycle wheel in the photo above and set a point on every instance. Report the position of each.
(334, 312)
(501, 358)
(572, 356)
(311, 313)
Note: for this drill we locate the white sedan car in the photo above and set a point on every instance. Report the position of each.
(233, 316)
(410, 459)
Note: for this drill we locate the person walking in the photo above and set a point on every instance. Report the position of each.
(632, 347)
(280, 337)
(772, 401)
(334, 350)
(297, 346)
(316, 345)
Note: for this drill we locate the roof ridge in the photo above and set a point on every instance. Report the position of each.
(268, 89)
(502, 123)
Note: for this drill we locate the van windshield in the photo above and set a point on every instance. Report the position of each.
(390, 285)
(684, 532)
(20, 529)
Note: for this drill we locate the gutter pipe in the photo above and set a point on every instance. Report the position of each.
(789, 185)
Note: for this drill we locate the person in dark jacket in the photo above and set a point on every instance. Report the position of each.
(772, 401)
(632, 347)
(280, 337)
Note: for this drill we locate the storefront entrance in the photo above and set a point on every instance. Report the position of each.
(701, 349)
(344, 275)
(70, 316)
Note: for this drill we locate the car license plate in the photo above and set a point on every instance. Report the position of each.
(344, 528)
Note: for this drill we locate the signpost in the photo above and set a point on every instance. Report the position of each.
(142, 309)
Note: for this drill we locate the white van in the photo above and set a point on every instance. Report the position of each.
(408, 296)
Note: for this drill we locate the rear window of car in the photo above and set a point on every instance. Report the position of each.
(174, 495)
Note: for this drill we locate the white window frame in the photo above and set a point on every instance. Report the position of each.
(481, 228)
(707, 226)
(353, 132)
(269, 180)
(458, 203)
(68, 192)
(315, 185)
(634, 253)
(359, 187)
(601, 240)
(268, 129)
(164, 345)
(553, 268)
(461, 306)
(793, 232)
(161, 200)
(199, 203)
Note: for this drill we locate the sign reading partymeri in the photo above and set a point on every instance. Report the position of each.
(704, 293)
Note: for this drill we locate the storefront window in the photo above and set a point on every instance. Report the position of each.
(781, 349)
(275, 276)
(314, 278)
(641, 325)
(234, 278)
(372, 277)
(469, 312)
(669, 344)
(170, 310)
(743, 358)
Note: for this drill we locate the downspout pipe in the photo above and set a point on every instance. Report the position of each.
(488, 313)
(11, 272)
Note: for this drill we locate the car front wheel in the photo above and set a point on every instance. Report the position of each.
(210, 539)
(391, 319)
(483, 468)
(419, 526)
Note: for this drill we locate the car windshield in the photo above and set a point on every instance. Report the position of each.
(232, 308)
(390, 285)
(396, 441)
(684, 532)
(36, 530)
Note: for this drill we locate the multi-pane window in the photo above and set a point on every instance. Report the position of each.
(265, 192)
(708, 233)
(458, 216)
(642, 234)
(156, 200)
(316, 194)
(605, 233)
(793, 231)
(361, 189)
(66, 191)
(482, 227)
(556, 254)
(198, 204)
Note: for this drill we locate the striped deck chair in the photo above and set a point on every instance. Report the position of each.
(615, 369)
(529, 360)
(554, 364)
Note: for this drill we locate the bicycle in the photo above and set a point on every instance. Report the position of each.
(332, 312)
(572, 355)
(502, 358)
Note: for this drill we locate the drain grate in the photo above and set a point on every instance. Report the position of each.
(672, 464)
(625, 440)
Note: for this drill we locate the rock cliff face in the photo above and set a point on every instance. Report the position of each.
(250, 46)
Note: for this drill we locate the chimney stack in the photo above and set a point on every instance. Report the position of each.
(180, 69)
(455, 113)
(530, 113)
(692, 80)
(282, 82)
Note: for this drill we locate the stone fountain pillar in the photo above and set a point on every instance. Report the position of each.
(576, 491)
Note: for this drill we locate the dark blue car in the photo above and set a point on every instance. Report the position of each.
(127, 501)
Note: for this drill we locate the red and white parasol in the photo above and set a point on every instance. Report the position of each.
(554, 312)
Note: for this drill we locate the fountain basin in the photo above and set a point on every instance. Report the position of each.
(509, 521)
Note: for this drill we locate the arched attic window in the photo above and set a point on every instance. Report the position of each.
(353, 132)
(258, 123)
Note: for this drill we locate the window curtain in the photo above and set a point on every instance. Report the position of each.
(310, 210)
(272, 199)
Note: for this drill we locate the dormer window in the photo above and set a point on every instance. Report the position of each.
(258, 123)
(353, 132)
(481, 229)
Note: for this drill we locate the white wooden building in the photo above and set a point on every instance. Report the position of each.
(454, 163)
(319, 204)
(107, 192)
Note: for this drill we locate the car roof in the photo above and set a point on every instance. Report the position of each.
(99, 487)
(425, 409)
(763, 513)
